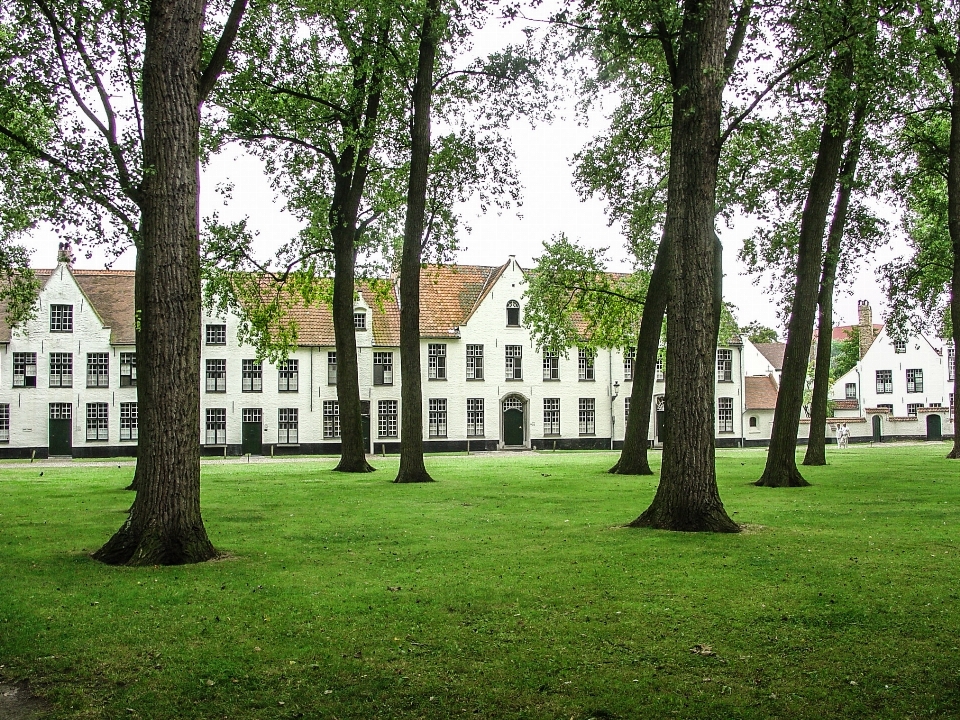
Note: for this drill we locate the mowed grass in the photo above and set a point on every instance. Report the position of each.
(508, 589)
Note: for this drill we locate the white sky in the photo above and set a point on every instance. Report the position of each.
(550, 206)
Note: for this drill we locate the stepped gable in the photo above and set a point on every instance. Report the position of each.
(760, 392)
(450, 294)
(773, 352)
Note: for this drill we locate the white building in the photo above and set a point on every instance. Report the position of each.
(485, 385)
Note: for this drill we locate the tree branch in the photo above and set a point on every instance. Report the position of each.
(219, 58)
(739, 34)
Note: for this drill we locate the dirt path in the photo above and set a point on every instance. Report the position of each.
(18, 703)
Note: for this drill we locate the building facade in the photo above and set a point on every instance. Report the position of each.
(68, 376)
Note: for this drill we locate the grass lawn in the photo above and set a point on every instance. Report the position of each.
(509, 589)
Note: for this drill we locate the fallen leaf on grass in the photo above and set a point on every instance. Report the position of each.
(699, 649)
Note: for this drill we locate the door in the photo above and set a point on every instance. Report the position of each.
(365, 423)
(513, 426)
(933, 428)
(251, 437)
(61, 429)
(877, 429)
(661, 418)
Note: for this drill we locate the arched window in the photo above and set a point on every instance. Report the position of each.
(753, 421)
(513, 314)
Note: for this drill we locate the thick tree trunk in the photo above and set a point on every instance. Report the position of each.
(164, 526)
(953, 222)
(633, 458)
(687, 497)
(781, 467)
(353, 455)
(816, 453)
(412, 468)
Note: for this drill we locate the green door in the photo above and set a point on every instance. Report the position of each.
(933, 428)
(60, 441)
(365, 423)
(877, 429)
(251, 433)
(513, 426)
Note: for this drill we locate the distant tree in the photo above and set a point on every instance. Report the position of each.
(757, 333)
(845, 354)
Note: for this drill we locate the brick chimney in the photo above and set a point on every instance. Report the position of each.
(64, 253)
(866, 326)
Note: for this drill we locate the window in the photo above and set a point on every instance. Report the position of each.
(252, 415)
(951, 362)
(884, 382)
(474, 362)
(436, 361)
(912, 408)
(659, 376)
(437, 418)
(288, 425)
(5, 423)
(474, 417)
(61, 369)
(98, 425)
(383, 368)
(588, 416)
(24, 369)
(551, 365)
(753, 421)
(899, 346)
(885, 406)
(551, 416)
(98, 370)
(360, 320)
(61, 411)
(514, 364)
(629, 355)
(288, 375)
(724, 365)
(331, 419)
(513, 314)
(216, 376)
(951, 407)
(915, 381)
(61, 318)
(626, 411)
(128, 421)
(850, 391)
(252, 376)
(216, 334)
(216, 426)
(331, 368)
(128, 369)
(725, 415)
(387, 418)
(585, 364)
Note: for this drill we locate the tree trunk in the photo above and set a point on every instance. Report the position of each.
(412, 468)
(687, 497)
(353, 455)
(164, 526)
(633, 457)
(781, 467)
(953, 222)
(816, 453)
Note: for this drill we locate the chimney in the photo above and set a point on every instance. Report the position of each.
(865, 327)
(64, 254)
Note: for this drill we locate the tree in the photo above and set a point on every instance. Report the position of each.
(105, 163)
(757, 333)
(412, 468)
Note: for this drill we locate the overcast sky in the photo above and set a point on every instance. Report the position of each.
(550, 206)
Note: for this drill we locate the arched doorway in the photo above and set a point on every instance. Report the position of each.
(934, 430)
(661, 407)
(877, 429)
(513, 424)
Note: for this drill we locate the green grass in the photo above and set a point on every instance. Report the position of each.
(509, 589)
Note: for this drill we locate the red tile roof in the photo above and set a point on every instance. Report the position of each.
(760, 392)
(773, 352)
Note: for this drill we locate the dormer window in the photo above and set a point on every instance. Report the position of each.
(216, 334)
(899, 346)
(513, 314)
(61, 318)
(359, 320)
